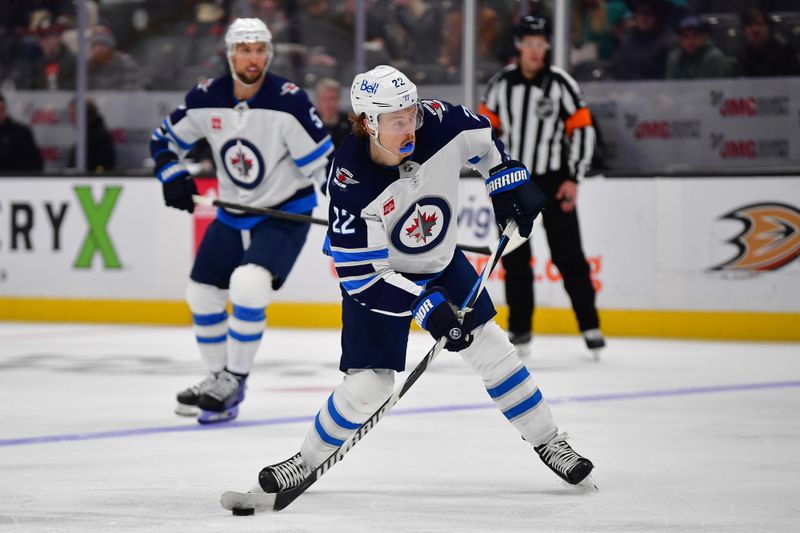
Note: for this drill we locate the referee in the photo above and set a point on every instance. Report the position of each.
(539, 113)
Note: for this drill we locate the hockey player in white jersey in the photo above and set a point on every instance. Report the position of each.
(268, 146)
(393, 188)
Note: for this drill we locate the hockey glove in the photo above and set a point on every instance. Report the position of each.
(178, 185)
(434, 312)
(514, 196)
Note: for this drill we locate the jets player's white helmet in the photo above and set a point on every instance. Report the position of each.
(383, 89)
(247, 30)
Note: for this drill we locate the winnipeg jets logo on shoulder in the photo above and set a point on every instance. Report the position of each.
(423, 226)
(203, 85)
(289, 88)
(435, 107)
(343, 177)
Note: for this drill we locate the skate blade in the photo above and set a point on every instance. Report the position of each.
(596, 354)
(588, 483)
(215, 417)
(187, 410)
(255, 499)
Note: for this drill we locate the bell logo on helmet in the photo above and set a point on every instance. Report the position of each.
(369, 88)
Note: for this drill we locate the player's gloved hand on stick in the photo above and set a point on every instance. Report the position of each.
(514, 196)
(434, 312)
(178, 185)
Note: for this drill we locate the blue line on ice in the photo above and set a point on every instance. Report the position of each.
(591, 398)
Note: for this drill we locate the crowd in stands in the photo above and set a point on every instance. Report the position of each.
(169, 44)
(134, 45)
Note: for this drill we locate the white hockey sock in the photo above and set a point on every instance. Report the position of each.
(246, 328)
(509, 383)
(210, 323)
(250, 293)
(356, 398)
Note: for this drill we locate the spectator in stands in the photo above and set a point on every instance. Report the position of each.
(375, 43)
(100, 153)
(488, 29)
(765, 53)
(18, 150)
(110, 69)
(328, 94)
(413, 32)
(50, 65)
(328, 45)
(696, 57)
(70, 37)
(597, 28)
(645, 46)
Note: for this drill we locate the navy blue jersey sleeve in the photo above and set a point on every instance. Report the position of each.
(359, 247)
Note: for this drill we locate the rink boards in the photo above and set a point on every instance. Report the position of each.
(713, 258)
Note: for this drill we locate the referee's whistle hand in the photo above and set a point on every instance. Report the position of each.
(567, 195)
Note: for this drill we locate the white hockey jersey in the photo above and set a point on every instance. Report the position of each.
(394, 229)
(266, 149)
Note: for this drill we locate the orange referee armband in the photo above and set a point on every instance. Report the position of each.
(580, 119)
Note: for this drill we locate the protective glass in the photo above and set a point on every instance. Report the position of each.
(401, 122)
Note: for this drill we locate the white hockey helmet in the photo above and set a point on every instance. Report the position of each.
(248, 30)
(383, 89)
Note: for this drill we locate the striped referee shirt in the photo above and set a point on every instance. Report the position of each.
(544, 122)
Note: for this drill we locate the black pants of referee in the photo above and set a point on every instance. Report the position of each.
(564, 239)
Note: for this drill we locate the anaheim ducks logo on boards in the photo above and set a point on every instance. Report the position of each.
(770, 238)
(423, 226)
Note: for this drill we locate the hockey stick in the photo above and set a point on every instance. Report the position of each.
(249, 502)
(515, 240)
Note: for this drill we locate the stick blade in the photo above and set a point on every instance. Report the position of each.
(258, 501)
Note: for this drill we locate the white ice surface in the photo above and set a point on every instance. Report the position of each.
(674, 448)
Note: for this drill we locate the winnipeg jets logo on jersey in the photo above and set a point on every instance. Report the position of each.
(243, 163)
(203, 85)
(435, 107)
(423, 225)
(343, 178)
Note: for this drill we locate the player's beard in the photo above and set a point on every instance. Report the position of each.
(249, 78)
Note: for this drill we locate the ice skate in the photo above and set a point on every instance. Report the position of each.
(521, 342)
(594, 341)
(220, 402)
(566, 462)
(187, 398)
(284, 475)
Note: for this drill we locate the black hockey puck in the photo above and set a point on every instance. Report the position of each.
(243, 511)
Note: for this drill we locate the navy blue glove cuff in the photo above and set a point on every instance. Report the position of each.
(506, 177)
(424, 305)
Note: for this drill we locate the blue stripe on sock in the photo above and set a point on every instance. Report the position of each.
(249, 314)
(324, 435)
(339, 419)
(209, 319)
(524, 406)
(512, 381)
(241, 337)
(212, 340)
